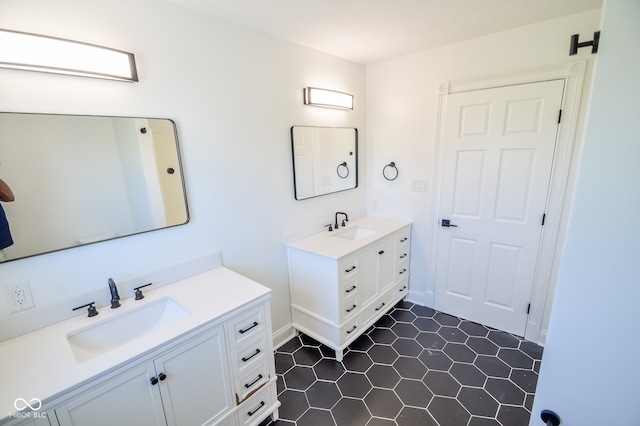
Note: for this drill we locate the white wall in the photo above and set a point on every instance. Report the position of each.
(590, 368)
(234, 95)
(402, 109)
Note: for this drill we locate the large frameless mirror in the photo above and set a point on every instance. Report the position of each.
(325, 160)
(82, 179)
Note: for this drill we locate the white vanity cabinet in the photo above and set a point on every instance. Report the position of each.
(343, 287)
(199, 380)
(187, 385)
(215, 367)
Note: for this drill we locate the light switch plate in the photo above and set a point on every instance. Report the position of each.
(419, 185)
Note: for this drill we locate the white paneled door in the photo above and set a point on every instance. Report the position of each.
(498, 153)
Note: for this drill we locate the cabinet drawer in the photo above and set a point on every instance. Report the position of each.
(350, 288)
(256, 408)
(380, 305)
(403, 242)
(251, 380)
(404, 236)
(402, 270)
(349, 269)
(350, 307)
(246, 327)
(402, 288)
(403, 253)
(350, 329)
(246, 356)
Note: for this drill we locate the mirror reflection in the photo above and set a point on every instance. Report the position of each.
(325, 160)
(82, 179)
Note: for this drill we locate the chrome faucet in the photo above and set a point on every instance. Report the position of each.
(346, 219)
(115, 297)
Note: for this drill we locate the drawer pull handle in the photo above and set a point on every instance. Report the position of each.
(353, 287)
(381, 252)
(351, 308)
(402, 256)
(403, 271)
(404, 239)
(350, 269)
(255, 324)
(248, 385)
(352, 329)
(381, 306)
(403, 288)
(251, 413)
(245, 359)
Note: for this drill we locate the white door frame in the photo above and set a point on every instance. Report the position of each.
(553, 232)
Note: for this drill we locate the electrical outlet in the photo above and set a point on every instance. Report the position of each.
(19, 297)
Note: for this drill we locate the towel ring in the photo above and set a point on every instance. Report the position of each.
(384, 171)
(338, 170)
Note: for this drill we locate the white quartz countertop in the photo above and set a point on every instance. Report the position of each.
(41, 364)
(329, 244)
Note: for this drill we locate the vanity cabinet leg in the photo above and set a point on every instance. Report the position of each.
(339, 354)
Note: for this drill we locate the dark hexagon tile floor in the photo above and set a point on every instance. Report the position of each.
(415, 366)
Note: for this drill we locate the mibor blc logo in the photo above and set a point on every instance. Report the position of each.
(34, 404)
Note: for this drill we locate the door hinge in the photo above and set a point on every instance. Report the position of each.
(559, 116)
(528, 308)
(544, 215)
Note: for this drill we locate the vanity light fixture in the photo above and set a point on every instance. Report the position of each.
(33, 52)
(327, 98)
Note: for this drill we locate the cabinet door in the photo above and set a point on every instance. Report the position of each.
(129, 398)
(196, 386)
(377, 273)
(368, 278)
(386, 264)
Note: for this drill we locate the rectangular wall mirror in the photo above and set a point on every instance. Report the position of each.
(325, 160)
(82, 179)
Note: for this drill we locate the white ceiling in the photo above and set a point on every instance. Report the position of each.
(368, 31)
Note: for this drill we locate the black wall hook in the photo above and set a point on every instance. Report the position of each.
(575, 45)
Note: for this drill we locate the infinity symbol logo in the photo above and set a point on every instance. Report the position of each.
(21, 404)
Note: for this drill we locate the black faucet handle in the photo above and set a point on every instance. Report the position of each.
(330, 227)
(138, 291)
(343, 222)
(91, 312)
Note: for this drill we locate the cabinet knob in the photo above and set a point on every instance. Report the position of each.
(154, 380)
(162, 376)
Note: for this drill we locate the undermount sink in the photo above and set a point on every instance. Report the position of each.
(97, 339)
(355, 233)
